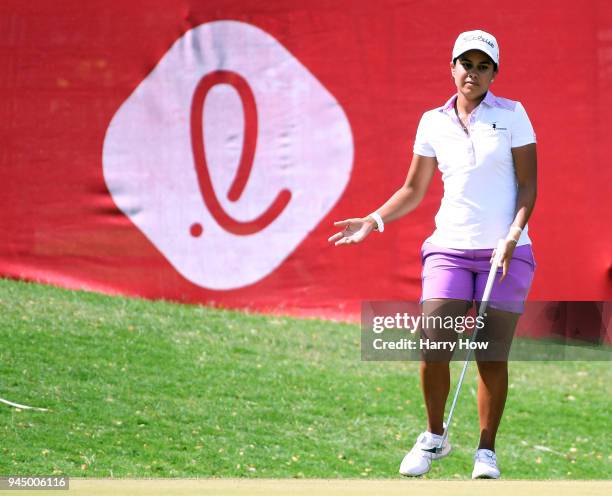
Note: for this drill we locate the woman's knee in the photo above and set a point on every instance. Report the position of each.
(492, 367)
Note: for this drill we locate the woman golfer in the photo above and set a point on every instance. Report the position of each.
(485, 149)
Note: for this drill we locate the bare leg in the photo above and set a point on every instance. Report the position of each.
(493, 375)
(435, 372)
(435, 383)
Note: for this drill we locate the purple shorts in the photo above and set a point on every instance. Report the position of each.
(462, 275)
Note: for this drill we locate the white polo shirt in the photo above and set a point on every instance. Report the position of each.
(480, 187)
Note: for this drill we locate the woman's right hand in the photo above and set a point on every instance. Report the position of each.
(354, 231)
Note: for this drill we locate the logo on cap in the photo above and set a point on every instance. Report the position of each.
(480, 38)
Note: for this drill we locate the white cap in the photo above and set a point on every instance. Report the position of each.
(476, 40)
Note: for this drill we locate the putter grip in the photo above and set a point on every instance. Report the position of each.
(500, 246)
(491, 279)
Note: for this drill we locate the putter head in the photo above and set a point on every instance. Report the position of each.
(438, 449)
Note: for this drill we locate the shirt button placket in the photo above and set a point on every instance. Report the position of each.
(471, 151)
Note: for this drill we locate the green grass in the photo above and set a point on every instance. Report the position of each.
(154, 389)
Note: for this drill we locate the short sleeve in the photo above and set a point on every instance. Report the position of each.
(422, 146)
(522, 130)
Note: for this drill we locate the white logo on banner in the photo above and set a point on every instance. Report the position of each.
(228, 154)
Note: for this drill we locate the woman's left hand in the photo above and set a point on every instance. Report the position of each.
(507, 249)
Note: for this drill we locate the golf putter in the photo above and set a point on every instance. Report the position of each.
(483, 308)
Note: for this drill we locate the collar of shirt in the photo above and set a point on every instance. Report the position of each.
(490, 99)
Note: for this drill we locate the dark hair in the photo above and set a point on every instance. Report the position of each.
(490, 59)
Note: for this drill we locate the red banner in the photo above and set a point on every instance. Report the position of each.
(200, 151)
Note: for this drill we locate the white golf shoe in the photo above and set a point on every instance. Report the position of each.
(485, 465)
(417, 461)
